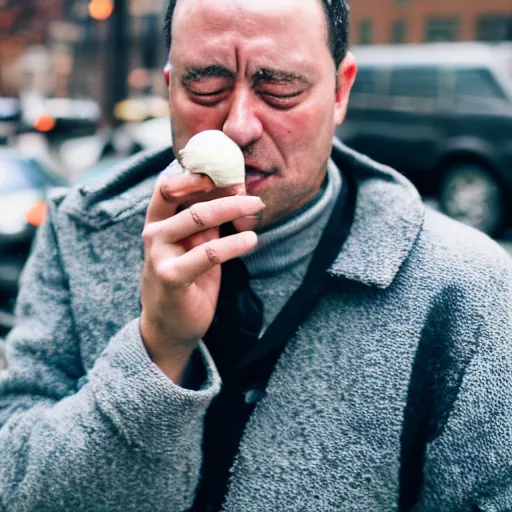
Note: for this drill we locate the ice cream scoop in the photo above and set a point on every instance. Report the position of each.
(213, 153)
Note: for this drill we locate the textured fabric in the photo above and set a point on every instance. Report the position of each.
(281, 246)
(88, 423)
(231, 409)
(279, 262)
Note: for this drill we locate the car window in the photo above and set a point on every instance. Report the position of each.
(365, 82)
(367, 90)
(414, 82)
(477, 83)
(20, 174)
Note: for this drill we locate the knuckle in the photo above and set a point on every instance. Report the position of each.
(158, 269)
(167, 193)
(212, 255)
(167, 273)
(149, 233)
(151, 260)
(197, 215)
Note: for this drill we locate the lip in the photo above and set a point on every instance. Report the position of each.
(255, 178)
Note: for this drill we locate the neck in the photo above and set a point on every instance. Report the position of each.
(291, 240)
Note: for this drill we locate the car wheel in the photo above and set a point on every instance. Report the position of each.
(136, 148)
(471, 195)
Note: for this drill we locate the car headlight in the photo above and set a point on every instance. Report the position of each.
(13, 225)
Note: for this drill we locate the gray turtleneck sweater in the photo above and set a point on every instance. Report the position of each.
(278, 264)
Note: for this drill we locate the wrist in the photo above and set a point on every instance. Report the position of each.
(171, 358)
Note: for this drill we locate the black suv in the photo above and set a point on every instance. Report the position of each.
(442, 115)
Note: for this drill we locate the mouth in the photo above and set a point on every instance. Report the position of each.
(255, 178)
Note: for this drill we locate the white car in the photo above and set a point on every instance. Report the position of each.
(131, 138)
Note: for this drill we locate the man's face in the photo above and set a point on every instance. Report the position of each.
(262, 72)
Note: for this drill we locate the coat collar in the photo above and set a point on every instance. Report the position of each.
(388, 217)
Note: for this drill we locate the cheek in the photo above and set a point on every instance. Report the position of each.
(309, 120)
(318, 119)
(189, 119)
(304, 135)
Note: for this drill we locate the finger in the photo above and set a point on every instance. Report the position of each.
(160, 207)
(187, 244)
(188, 267)
(202, 197)
(170, 191)
(159, 249)
(206, 215)
(186, 184)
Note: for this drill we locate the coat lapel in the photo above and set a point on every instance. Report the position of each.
(388, 218)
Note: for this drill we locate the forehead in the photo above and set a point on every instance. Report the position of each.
(311, 11)
(295, 29)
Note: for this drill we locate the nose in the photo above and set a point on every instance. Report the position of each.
(242, 123)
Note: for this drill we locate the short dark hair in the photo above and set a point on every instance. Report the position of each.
(337, 13)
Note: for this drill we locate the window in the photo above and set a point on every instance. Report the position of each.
(476, 83)
(365, 81)
(19, 174)
(414, 82)
(366, 92)
(398, 32)
(494, 27)
(442, 29)
(366, 31)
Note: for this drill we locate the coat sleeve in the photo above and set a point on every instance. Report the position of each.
(121, 438)
(468, 467)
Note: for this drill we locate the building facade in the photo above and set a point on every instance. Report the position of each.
(420, 21)
(105, 50)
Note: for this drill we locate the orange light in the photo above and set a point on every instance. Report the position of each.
(138, 78)
(101, 9)
(44, 123)
(37, 213)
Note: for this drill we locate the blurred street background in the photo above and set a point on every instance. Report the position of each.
(82, 89)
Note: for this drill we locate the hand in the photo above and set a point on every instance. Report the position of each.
(183, 253)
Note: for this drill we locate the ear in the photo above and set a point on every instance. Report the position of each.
(167, 73)
(347, 71)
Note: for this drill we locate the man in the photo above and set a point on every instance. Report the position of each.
(391, 391)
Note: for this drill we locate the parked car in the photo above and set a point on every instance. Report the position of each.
(79, 155)
(442, 115)
(60, 119)
(131, 138)
(100, 170)
(141, 108)
(24, 183)
(10, 115)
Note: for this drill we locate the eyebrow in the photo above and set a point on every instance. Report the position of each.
(278, 77)
(268, 75)
(197, 73)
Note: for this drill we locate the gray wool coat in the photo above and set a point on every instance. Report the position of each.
(404, 366)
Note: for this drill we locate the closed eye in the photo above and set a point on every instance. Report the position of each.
(209, 98)
(282, 101)
(207, 93)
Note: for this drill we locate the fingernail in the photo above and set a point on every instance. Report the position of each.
(256, 216)
(252, 237)
(263, 205)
